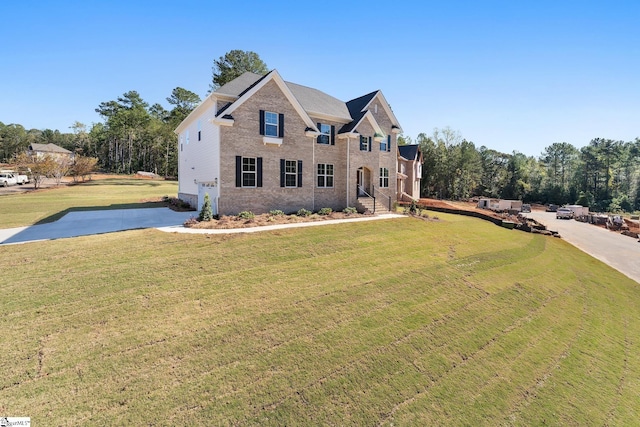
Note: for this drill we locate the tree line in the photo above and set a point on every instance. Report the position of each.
(604, 174)
(134, 135)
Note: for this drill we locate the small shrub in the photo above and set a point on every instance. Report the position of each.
(190, 222)
(206, 213)
(350, 210)
(304, 212)
(276, 212)
(176, 203)
(325, 211)
(413, 209)
(246, 215)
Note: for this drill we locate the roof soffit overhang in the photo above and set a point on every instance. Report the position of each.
(208, 102)
(322, 116)
(376, 127)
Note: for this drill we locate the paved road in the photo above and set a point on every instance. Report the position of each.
(618, 251)
(84, 223)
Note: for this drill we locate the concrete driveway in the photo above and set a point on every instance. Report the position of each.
(84, 223)
(618, 251)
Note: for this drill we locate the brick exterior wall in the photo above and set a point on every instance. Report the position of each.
(244, 139)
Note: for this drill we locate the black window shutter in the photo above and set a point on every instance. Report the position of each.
(389, 142)
(259, 172)
(299, 173)
(333, 135)
(261, 122)
(369, 143)
(320, 127)
(238, 171)
(281, 123)
(282, 169)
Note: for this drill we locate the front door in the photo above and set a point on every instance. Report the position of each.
(361, 191)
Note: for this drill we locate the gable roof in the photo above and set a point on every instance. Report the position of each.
(316, 102)
(259, 84)
(358, 105)
(307, 101)
(361, 104)
(409, 152)
(239, 85)
(48, 148)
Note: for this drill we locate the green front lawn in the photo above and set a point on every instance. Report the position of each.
(48, 205)
(394, 322)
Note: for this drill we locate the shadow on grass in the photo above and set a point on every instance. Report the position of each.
(139, 205)
(121, 182)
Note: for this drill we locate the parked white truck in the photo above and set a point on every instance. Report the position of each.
(7, 179)
(20, 178)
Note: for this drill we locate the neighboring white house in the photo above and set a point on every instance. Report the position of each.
(42, 150)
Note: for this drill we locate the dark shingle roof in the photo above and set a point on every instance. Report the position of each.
(356, 105)
(409, 152)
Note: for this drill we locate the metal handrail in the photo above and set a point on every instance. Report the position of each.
(360, 187)
(388, 198)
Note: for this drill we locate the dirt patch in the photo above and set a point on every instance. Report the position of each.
(469, 207)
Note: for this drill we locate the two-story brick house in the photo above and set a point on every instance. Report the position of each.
(259, 143)
(409, 175)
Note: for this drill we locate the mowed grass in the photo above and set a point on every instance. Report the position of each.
(393, 322)
(50, 204)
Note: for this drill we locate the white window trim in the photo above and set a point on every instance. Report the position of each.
(294, 173)
(327, 134)
(366, 142)
(267, 124)
(384, 177)
(326, 175)
(254, 172)
(271, 140)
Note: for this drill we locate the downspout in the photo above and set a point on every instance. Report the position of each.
(219, 177)
(314, 168)
(348, 168)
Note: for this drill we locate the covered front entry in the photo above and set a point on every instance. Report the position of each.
(364, 182)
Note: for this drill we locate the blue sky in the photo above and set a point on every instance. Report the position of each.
(510, 75)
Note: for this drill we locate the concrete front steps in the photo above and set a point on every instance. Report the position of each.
(365, 204)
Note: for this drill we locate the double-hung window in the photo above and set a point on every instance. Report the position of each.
(384, 178)
(291, 173)
(384, 144)
(270, 124)
(365, 143)
(248, 172)
(326, 134)
(325, 175)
